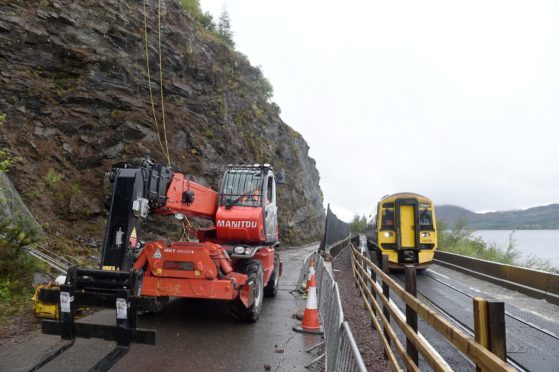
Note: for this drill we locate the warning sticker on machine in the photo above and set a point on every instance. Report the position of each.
(121, 309)
(157, 254)
(65, 300)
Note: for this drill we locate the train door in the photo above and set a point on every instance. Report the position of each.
(407, 226)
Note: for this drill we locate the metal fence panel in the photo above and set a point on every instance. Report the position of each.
(347, 350)
(302, 281)
(341, 351)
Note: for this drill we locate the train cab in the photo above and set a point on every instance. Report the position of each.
(405, 230)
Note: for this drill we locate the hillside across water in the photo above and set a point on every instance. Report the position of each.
(544, 217)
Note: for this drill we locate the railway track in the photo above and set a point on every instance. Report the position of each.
(531, 347)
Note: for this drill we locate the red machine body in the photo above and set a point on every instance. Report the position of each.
(244, 224)
(233, 260)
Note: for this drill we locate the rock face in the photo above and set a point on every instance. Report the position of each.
(74, 99)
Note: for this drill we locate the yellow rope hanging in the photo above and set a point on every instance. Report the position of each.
(161, 83)
(165, 150)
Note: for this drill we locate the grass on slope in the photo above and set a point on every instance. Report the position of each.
(460, 240)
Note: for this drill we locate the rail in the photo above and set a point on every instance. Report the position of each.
(535, 283)
(341, 352)
(381, 313)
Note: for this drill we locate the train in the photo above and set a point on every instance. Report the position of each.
(405, 229)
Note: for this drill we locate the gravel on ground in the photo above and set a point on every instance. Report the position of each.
(365, 334)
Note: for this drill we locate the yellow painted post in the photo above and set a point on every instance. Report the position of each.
(481, 324)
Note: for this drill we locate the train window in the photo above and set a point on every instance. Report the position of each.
(387, 222)
(426, 219)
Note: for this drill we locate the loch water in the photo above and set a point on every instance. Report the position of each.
(537, 243)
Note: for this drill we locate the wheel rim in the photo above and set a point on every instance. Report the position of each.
(276, 273)
(276, 277)
(258, 296)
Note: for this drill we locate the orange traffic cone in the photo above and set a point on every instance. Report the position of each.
(311, 274)
(310, 323)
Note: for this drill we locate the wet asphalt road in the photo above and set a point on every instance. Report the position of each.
(191, 335)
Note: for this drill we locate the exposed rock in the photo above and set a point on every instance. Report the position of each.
(75, 94)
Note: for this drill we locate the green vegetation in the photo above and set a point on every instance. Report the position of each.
(460, 240)
(358, 224)
(3, 118)
(223, 28)
(263, 84)
(193, 7)
(52, 178)
(16, 267)
(6, 160)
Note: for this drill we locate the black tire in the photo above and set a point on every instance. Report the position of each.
(239, 311)
(271, 289)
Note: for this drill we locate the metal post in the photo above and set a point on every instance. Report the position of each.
(67, 312)
(497, 328)
(411, 315)
(481, 324)
(386, 293)
(122, 315)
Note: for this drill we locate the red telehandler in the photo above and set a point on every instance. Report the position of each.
(236, 259)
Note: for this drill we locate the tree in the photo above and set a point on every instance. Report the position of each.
(358, 224)
(224, 29)
(207, 22)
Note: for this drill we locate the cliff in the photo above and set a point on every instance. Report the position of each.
(74, 99)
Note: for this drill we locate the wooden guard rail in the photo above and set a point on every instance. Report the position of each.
(484, 359)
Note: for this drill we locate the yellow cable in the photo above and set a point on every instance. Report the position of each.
(149, 78)
(161, 84)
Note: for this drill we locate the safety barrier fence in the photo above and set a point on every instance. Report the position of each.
(341, 352)
(335, 231)
(488, 322)
(534, 283)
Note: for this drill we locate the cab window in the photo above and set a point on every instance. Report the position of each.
(242, 187)
(387, 221)
(426, 219)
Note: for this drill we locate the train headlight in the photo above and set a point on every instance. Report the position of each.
(388, 234)
(425, 234)
(240, 250)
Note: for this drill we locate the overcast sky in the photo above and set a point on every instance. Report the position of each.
(457, 100)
